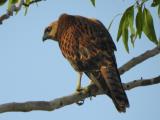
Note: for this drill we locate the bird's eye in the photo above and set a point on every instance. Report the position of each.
(48, 29)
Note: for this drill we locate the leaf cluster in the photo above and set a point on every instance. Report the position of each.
(143, 22)
(14, 2)
(137, 19)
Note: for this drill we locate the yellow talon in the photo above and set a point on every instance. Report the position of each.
(78, 88)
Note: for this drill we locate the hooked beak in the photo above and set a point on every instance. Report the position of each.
(45, 37)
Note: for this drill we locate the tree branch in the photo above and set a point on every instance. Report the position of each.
(15, 8)
(10, 12)
(67, 100)
(92, 90)
(139, 59)
(141, 82)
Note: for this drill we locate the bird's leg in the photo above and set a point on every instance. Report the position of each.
(90, 83)
(78, 88)
(95, 83)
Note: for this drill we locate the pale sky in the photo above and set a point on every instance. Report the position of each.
(33, 70)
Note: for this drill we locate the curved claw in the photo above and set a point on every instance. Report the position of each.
(81, 102)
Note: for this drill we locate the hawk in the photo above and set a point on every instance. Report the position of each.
(88, 46)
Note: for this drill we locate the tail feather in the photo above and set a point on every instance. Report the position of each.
(113, 82)
(109, 80)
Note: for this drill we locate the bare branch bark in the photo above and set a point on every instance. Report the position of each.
(141, 82)
(70, 99)
(15, 8)
(139, 59)
(92, 90)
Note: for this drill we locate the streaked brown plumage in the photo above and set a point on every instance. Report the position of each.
(88, 46)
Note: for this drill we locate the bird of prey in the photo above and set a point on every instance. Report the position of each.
(88, 46)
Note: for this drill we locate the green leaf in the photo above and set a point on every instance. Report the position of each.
(2, 2)
(159, 11)
(144, 1)
(11, 2)
(93, 2)
(133, 38)
(126, 20)
(28, 1)
(155, 3)
(133, 35)
(120, 27)
(14, 1)
(125, 39)
(130, 15)
(125, 34)
(148, 27)
(139, 21)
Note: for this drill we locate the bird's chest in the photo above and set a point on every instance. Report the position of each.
(69, 45)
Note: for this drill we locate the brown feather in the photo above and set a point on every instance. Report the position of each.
(89, 48)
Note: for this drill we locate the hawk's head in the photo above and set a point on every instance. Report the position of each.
(50, 31)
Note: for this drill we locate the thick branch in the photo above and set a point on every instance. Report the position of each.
(139, 59)
(15, 8)
(67, 100)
